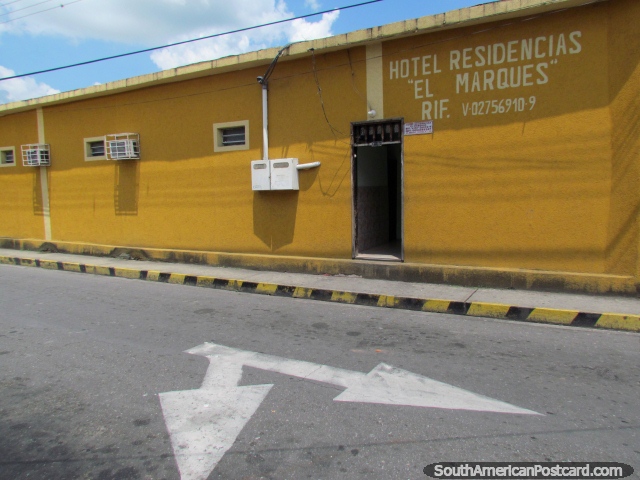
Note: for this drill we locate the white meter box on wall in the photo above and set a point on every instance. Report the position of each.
(260, 175)
(280, 174)
(284, 174)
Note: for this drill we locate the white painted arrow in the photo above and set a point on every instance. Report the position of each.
(204, 423)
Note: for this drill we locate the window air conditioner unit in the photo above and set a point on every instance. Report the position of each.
(123, 146)
(36, 155)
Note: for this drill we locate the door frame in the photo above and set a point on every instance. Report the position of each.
(354, 178)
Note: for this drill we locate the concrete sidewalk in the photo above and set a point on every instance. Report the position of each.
(620, 313)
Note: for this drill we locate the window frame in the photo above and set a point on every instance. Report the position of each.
(87, 148)
(218, 130)
(3, 152)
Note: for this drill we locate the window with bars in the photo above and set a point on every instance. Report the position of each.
(231, 136)
(123, 146)
(36, 155)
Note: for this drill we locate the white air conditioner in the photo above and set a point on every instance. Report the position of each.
(123, 146)
(35, 155)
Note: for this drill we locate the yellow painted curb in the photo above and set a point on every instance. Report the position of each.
(551, 315)
(619, 322)
(492, 310)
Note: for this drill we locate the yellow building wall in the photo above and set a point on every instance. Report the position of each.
(175, 195)
(623, 242)
(533, 163)
(321, 218)
(527, 184)
(21, 207)
(181, 194)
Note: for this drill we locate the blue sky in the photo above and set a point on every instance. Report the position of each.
(49, 36)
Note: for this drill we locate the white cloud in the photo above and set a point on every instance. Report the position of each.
(21, 88)
(302, 30)
(146, 22)
(157, 22)
(312, 4)
(282, 34)
(200, 51)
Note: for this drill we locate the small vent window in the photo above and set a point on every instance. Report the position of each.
(7, 157)
(94, 149)
(231, 136)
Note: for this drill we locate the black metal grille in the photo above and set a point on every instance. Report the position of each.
(97, 148)
(377, 133)
(7, 157)
(233, 136)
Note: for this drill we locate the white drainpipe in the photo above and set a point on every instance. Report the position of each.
(265, 122)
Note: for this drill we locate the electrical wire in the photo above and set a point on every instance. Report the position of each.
(353, 81)
(245, 29)
(334, 130)
(36, 13)
(9, 3)
(272, 66)
(24, 8)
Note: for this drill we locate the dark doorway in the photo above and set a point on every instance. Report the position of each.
(377, 190)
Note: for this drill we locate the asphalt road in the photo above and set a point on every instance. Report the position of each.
(84, 358)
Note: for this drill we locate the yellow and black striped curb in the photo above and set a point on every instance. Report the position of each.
(475, 309)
